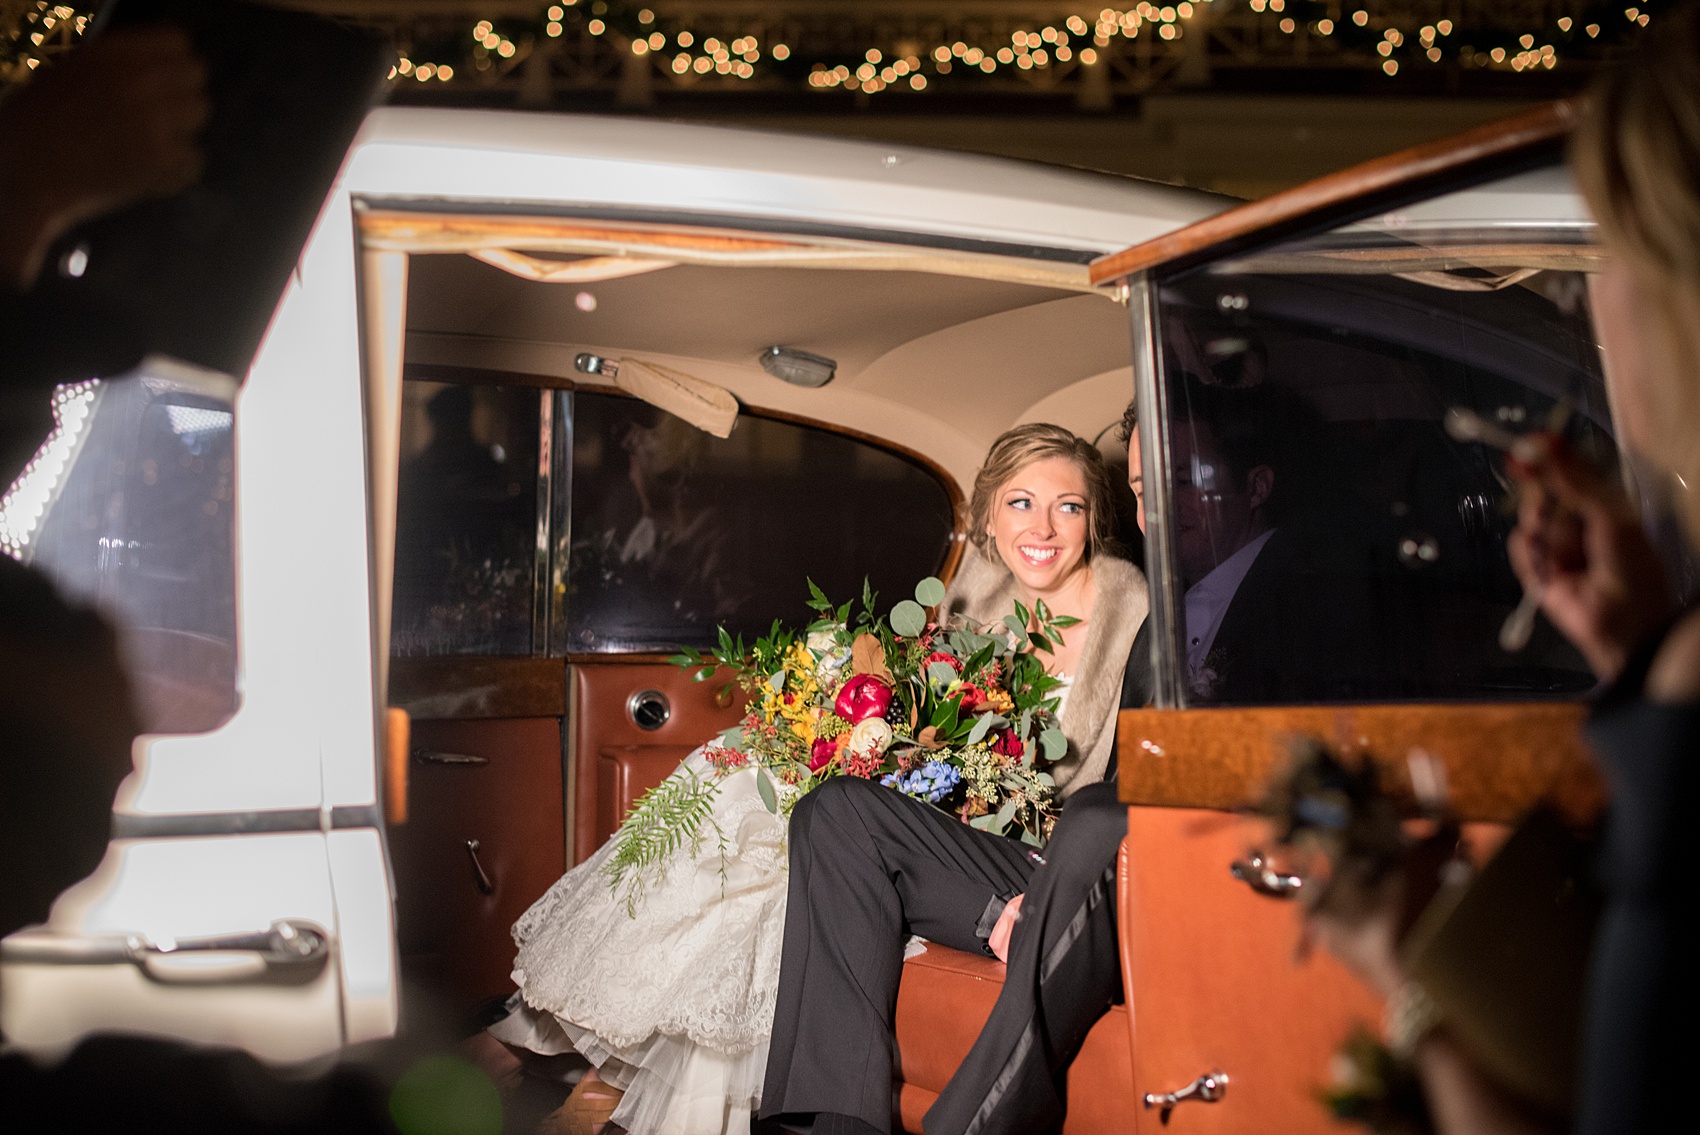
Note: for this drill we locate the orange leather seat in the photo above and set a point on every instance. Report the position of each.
(945, 998)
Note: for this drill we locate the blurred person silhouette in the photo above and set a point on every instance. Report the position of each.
(1580, 546)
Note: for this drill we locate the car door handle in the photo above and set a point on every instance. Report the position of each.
(290, 949)
(430, 757)
(480, 877)
(1255, 872)
(1208, 1088)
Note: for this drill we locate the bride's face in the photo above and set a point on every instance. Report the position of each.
(1039, 523)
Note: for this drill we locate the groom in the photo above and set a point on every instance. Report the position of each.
(868, 867)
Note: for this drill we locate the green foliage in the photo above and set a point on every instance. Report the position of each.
(663, 820)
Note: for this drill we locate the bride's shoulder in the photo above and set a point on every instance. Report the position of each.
(1119, 579)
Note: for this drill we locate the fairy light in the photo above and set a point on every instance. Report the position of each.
(25, 504)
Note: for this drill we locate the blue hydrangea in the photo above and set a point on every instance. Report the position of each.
(931, 782)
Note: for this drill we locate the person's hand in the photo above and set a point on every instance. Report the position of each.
(998, 942)
(115, 121)
(1579, 545)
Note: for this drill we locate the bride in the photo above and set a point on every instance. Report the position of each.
(670, 994)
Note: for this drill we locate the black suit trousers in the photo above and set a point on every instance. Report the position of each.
(870, 866)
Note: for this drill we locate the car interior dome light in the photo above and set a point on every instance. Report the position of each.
(799, 368)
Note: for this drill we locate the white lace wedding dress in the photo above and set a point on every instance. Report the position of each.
(673, 1001)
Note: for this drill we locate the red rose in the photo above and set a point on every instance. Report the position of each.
(862, 697)
(971, 696)
(942, 656)
(822, 752)
(1006, 742)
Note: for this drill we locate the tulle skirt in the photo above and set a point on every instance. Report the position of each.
(672, 999)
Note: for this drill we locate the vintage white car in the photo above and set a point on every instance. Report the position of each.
(550, 395)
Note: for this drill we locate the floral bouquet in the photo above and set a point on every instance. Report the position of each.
(960, 716)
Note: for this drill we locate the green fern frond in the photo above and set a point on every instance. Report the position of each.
(663, 820)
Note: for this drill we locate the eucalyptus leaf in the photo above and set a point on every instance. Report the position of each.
(1045, 779)
(1006, 814)
(764, 789)
(1030, 839)
(929, 592)
(776, 682)
(941, 673)
(1026, 723)
(981, 728)
(732, 738)
(1054, 744)
(1015, 627)
(982, 823)
(908, 618)
(1028, 748)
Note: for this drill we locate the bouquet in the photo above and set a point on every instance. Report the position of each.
(960, 716)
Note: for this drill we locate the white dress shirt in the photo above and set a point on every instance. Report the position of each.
(1207, 601)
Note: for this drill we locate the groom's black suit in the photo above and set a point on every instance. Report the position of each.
(868, 868)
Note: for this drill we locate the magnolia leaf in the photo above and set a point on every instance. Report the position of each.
(929, 592)
(942, 673)
(867, 656)
(928, 738)
(764, 789)
(909, 618)
(983, 823)
(1054, 743)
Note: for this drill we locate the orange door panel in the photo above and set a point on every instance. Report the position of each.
(483, 840)
(1216, 985)
(615, 758)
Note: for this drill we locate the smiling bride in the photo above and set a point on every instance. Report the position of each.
(670, 994)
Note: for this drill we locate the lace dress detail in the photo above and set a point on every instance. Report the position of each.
(672, 1001)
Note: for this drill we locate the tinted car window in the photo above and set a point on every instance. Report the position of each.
(1332, 541)
(128, 507)
(674, 531)
(466, 520)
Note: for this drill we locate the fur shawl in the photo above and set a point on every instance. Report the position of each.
(983, 590)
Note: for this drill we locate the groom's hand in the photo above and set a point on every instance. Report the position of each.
(998, 942)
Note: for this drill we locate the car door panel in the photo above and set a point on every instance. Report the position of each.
(615, 760)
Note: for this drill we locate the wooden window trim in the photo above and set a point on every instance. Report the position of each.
(1371, 187)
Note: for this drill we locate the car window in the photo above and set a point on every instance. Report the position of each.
(674, 532)
(466, 519)
(1332, 541)
(128, 507)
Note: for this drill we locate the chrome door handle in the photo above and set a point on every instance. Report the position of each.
(290, 949)
(1256, 873)
(480, 877)
(428, 757)
(1208, 1088)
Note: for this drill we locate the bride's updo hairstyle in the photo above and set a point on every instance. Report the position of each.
(1015, 450)
(1636, 155)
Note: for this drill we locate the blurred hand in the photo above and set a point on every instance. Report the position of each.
(1579, 545)
(998, 943)
(116, 120)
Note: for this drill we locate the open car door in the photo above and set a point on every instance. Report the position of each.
(221, 526)
(1327, 561)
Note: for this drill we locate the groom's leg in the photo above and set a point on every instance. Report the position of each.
(868, 867)
(1064, 972)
